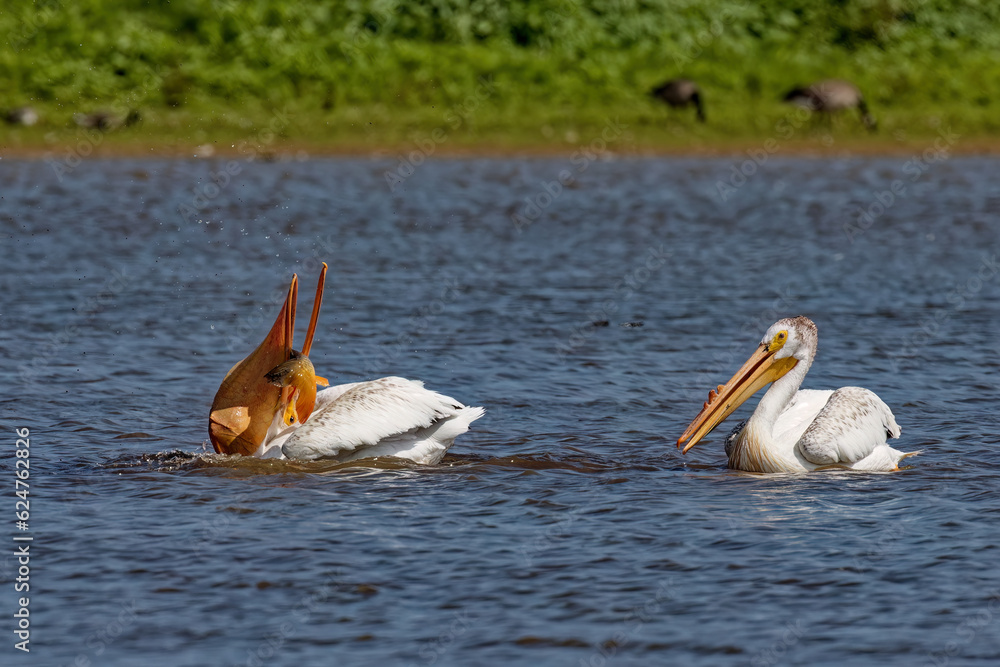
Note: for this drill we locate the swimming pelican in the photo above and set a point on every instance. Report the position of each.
(268, 406)
(792, 429)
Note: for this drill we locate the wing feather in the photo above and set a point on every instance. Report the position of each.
(800, 412)
(850, 426)
(365, 413)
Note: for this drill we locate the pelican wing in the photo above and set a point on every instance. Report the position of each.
(800, 413)
(852, 424)
(363, 414)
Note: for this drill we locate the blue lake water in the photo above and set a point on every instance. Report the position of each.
(565, 528)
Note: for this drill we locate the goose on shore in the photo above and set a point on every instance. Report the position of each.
(26, 116)
(680, 93)
(831, 95)
(105, 121)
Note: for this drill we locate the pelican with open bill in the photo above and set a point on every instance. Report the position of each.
(245, 405)
(268, 406)
(792, 429)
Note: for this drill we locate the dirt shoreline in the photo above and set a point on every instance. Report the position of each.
(291, 150)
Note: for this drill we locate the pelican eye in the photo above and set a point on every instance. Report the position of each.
(778, 341)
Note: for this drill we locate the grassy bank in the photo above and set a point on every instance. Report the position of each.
(363, 76)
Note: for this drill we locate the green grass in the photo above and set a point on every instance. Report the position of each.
(360, 75)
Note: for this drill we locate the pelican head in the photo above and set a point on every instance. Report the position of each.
(248, 400)
(787, 343)
(297, 378)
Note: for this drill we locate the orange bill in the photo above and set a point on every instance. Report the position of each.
(759, 370)
(317, 302)
(306, 400)
(289, 415)
(245, 404)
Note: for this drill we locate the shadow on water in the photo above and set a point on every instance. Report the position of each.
(181, 462)
(177, 461)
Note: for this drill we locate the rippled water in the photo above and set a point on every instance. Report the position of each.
(565, 528)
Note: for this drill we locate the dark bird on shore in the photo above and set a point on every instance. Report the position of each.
(106, 120)
(26, 116)
(831, 95)
(679, 93)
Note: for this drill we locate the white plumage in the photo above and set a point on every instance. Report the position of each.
(391, 416)
(795, 430)
(387, 417)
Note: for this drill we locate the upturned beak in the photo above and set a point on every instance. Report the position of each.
(305, 398)
(759, 370)
(246, 402)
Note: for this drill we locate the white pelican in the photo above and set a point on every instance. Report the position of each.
(792, 429)
(268, 406)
